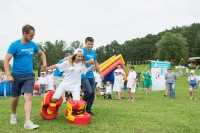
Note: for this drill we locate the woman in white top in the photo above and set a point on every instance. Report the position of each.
(50, 81)
(131, 84)
(73, 68)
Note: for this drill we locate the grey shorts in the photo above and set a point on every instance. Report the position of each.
(23, 83)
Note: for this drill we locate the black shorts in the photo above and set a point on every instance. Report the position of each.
(24, 82)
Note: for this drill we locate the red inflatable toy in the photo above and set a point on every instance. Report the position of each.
(36, 86)
(76, 114)
(49, 110)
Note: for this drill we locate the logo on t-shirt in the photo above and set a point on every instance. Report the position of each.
(90, 56)
(29, 51)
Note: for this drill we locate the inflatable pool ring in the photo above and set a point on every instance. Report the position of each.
(49, 110)
(36, 86)
(76, 114)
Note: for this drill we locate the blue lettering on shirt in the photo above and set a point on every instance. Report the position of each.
(22, 56)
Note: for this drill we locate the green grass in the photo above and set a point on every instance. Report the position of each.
(149, 113)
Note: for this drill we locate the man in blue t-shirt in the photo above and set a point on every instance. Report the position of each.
(22, 76)
(58, 75)
(88, 81)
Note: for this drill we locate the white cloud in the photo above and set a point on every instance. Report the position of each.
(106, 21)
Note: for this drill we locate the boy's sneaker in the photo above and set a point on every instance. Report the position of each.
(13, 119)
(30, 125)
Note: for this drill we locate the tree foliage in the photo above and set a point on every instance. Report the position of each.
(173, 47)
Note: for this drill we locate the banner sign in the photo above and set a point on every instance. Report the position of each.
(158, 70)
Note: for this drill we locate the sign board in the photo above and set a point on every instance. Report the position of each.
(158, 70)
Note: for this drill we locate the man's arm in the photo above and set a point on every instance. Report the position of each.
(43, 57)
(98, 69)
(8, 57)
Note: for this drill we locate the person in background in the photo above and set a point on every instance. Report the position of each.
(98, 82)
(58, 75)
(186, 71)
(50, 81)
(193, 81)
(108, 91)
(42, 81)
(147, 81)
(131, 83)
(121, 75)
(170, 78)
(117, 84)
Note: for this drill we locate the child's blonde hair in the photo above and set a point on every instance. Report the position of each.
(72, 60)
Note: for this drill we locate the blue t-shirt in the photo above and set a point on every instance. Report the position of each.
(22, 56)
(57, 72)
(89, 55)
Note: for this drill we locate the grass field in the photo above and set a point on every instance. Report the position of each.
(149, 113)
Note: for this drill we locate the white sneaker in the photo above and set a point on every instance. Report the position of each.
(13, 119)
(30, 125)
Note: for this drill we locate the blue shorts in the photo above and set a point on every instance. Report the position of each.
(24, 82)
(194, 86)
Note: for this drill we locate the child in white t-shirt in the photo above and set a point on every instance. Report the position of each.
(42, 81)
(121, 75)
(98, 82)
(117, 84)
(108, 91)
(131, 84)
(50, 81)
(73, 69)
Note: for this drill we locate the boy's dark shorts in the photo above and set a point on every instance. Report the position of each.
(24, 82)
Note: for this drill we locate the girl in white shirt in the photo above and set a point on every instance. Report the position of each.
(121, 75)
(73, 68)
(131, 84)
(117, 84)
(193, 81)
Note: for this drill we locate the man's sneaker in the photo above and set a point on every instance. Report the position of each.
(13, 119)
(92, 114)
(30, 125)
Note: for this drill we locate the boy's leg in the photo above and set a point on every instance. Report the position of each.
(14, 103)
(166, 91)
(116, 95)
(146, 90)
(89, 92)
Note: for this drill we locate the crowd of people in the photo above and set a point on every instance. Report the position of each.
(70, 74)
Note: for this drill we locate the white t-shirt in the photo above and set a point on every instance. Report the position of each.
(108, 89)
(72, 80)
(121, 71)
(97, 77)
(50, 82)
(42, 80)
(130, 78)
